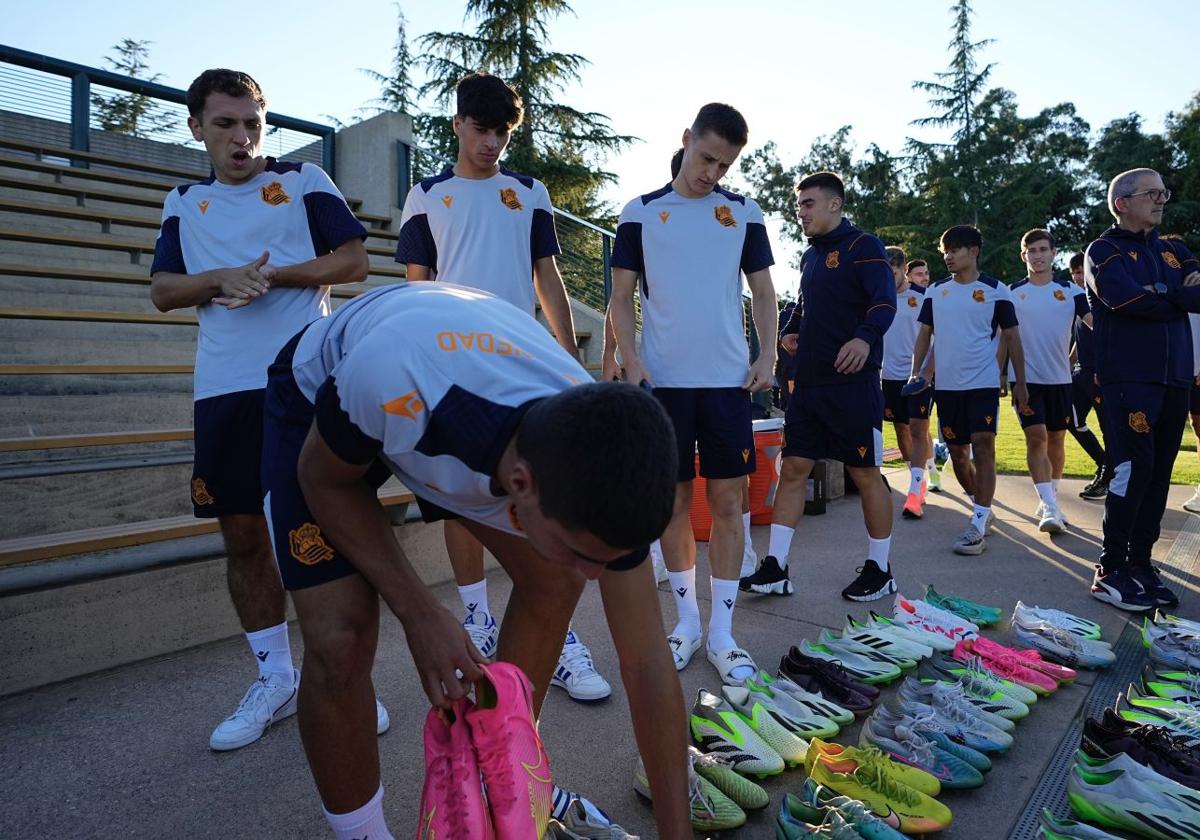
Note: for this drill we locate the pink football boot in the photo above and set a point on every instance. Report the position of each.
(1013, 668)
(512, 759)
(1032, 658)
(452, 806)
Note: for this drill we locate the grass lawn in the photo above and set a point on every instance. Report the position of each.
(1010, 450)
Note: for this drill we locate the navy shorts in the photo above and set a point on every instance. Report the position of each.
(965, 413)
(843, 422)
(228, 440)
(1194, 399)
(1085, 396)
(900, 409)
(717, 422)
(1049, 405)
(304, 555)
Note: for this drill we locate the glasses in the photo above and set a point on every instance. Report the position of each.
(1155, 195)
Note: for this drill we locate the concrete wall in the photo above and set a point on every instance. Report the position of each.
(368, 162)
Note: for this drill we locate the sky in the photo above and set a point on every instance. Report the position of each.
(796, 70)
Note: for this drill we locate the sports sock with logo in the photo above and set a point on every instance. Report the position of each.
(979, 518)
(1045, 491)
(1054, 482)
(683, 587)
(781, 543)
(914, 483)
(720, 623)
(366, 821)
(877, 550)
(272, 651)
(474, 597)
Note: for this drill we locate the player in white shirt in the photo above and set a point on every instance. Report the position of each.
(968, 311)
(685, 248)
(909, 415)
(254, 248)
(472, 404)
(478, 224)
(1046, 309)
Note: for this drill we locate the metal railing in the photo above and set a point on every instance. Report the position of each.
(47, 88)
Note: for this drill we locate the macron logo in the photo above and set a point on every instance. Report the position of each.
(262, 655)
(681, 591)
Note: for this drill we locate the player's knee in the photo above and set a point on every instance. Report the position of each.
(247, 539)
(1196, 424)
(795, 469)
(339, 653)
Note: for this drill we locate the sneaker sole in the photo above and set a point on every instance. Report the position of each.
(970, 551)
(1114, 600)
(779, 587)
(282, 713)
(908, 514)
(888, 589)
(1051, 527)
(581, 698)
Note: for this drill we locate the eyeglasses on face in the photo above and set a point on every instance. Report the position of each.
(1155, 195)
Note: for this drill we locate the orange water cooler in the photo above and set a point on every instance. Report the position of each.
(764, 481)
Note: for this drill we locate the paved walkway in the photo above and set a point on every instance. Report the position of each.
(124, 753)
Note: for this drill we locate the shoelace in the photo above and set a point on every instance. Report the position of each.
(1170, 747)
(578, 657)
(493, 750)
(446, 771)
(1061, 637)
(922, 748)
(697, 799)
(950, 703)
(872, 773)
(256, 696)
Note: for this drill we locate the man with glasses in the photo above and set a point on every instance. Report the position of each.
(1141, 288)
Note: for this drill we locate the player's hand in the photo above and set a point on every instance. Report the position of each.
(636, 374)
(1003, 385)
(924, 382)
(242, 285)
(761, 376)
(1192, 279)
(853, 355)
(790, 343)
(1021, 395)
(609, 369)
(440, 647)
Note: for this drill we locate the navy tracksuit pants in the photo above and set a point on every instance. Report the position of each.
(1143, 426)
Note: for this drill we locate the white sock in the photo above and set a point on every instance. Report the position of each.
(366, 821)
(746, 526)
(980, 517)
(720, 623)
(1054, 483)
(272, 650)
(474, 597)
(1045, 491)
(877, 550)
(683, 586)
(931, 466)
(781, 543)
(656, 551)
(914, 484)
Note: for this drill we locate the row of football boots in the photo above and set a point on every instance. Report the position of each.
(1173, 642)
(1118, 792)
(1061, 637)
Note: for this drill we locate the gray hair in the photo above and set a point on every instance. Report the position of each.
(1124, 184)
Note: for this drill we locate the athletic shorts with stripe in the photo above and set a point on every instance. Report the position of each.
(843, 422)
(965, 413)
(1049, 406)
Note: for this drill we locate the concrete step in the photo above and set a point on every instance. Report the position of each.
(66, 405)
(78, 342)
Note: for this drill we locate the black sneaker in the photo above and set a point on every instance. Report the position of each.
(768, 579)
(1147, 576)
(871, 584)
(1122, 590)
(1098, 487)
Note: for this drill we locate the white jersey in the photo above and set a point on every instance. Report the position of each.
(691, 253)
(486, 234)
(901, 337)
(291, 210)
(1047, 316)
(967, 319)
(1194, 323)
(434, 379)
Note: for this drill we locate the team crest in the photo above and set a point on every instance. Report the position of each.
(1023, 295)
(831, 259)
(663, 216)
(977, 296)
(1058, 295)
(200, 494)
(447, 200)
(308, 546)
(508, 197)
(947, 433)
(1139, 423)
(203, 207)
(407, 405)
(724, 216)
(273, 194)
(912, 303)
(1170, 259)
(746, 456)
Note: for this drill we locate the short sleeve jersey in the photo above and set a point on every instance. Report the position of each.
(966, 320)
(434, 379)
(901, 337)
(1047, 314)
(291, 210)
(486, 234)
(691, 254)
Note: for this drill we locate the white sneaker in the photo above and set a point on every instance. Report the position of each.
(1192, 505)
(577, 675)
(484, 633)
(1051, 520)
(383, 721)
(970, 541)
(657, 563)
(267, 701)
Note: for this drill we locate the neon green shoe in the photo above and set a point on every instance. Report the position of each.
(901, 807)
(744, 793)
(711, 809)
(912, 777)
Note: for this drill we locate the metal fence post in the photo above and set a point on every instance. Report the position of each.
(606, 251)
(81, 115)
(329, 153)
(404, 175)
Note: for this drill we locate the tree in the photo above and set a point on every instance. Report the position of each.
(1183, 132)
(131, 113)
(397, 90)
(559, 144)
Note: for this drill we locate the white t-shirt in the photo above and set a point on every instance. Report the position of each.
(486, 234)
(691, 253)
(901, 337)
(967, 319)
(1194, 323)
(433, 378)
(291, 210)
(1047, 315)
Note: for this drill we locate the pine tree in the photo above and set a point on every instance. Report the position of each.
(131, 113)
(397, 90)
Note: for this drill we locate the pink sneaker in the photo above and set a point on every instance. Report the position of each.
(1031, 659)
(452, 799)
(1008, 667)
(514, 763)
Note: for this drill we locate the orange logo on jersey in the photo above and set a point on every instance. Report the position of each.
(746, 456)
(1132, 254)
(508, 197)
(485, 342)
(945, 292)
(408, 405)
(663, 216)
(308, 546)
(1170, 259)
(912, 303)
(977, 296)
(274, 195)
(1139, 423)
(1022, 296)
(203, 207)
(200, 494)
(831, 259)
(447, 200)
(1058, 295)
(724, 216)
(862, 452)
(947, 433)
(513, 519)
